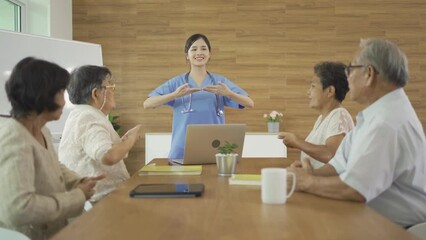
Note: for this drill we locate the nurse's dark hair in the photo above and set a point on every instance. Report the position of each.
(33, 85)
(194, 38)
(333, 74)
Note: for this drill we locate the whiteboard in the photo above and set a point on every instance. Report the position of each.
(67, 54)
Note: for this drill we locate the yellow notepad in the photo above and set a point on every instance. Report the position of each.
(245, 179)
(170, 170)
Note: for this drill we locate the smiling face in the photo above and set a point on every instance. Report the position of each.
(317, 95)
(198, 54)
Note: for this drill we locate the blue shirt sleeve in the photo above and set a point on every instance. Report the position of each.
(168, 87)
(233, 87)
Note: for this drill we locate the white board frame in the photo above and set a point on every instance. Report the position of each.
(67, 54)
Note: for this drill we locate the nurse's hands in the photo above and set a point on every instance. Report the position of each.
(183, 90)
(221, 89)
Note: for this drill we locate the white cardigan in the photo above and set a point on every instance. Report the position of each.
(87, 136)
(38, 193)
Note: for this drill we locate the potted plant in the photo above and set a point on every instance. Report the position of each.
(228, 148)
(114, 121)
(273, 119)
(226, 159)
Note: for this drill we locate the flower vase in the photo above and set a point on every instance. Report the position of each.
(273, 127)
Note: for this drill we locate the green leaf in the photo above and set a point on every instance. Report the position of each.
(227, 148)
(114, 122)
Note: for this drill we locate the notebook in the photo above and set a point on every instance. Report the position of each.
(202, 141)
(170, 170)
(245, 179)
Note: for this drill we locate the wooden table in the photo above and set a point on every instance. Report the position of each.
(227, 212)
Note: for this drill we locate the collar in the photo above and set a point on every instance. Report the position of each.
(383, 103)
(89, 107)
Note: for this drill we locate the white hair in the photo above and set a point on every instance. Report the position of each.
(387, 58)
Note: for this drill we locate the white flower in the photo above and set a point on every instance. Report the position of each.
(274, 116)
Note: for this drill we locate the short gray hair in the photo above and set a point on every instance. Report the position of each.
(387, 58)
(83, 80)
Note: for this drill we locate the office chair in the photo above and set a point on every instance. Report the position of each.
(12, 235)
(419, 230)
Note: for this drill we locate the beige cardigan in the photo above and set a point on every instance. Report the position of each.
(38, 194)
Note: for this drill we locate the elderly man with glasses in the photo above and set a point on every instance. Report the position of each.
(382, 161)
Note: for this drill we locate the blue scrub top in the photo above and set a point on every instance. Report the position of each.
(203, 105)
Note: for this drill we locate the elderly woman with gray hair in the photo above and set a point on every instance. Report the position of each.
(89, 143)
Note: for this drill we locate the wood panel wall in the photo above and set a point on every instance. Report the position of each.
(267, 47)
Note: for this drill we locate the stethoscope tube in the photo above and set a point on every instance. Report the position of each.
(189, 108)
(219, 112)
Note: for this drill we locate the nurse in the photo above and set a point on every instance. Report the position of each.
(198, 96)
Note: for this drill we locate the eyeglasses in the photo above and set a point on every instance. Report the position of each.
(111, 86)
(349, 66)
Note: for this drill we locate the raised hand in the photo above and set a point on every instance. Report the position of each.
(183, 90)
(133, 133)
(289, 139)
(220, 89)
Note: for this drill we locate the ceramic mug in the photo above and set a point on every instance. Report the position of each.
(274, 185)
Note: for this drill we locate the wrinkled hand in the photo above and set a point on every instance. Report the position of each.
(296, 164)
(135, 133)
(220, 89)
(303, 171)
(87, 185)
(289, 139)
(183, 90)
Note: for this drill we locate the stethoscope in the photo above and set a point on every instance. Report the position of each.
(188, 109)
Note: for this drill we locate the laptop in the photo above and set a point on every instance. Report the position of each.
(202, 141)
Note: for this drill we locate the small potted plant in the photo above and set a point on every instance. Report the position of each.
(226, 159)
(273, 119)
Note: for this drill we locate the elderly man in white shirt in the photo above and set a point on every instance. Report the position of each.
(382, 162)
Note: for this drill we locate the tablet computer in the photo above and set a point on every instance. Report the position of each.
(167, 190)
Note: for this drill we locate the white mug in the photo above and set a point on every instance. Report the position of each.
(274, 185)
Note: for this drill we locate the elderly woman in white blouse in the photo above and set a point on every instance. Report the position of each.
(327, 91)
(89, 143)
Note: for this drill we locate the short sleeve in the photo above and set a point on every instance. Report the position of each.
(340, 159)
(167, 87)
(233, 87)
(340, 122)
(372, 163)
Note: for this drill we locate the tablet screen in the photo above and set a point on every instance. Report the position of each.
(167, 190)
